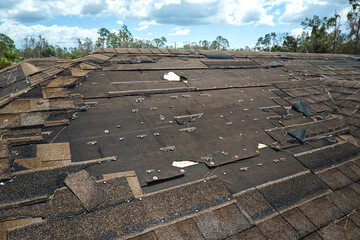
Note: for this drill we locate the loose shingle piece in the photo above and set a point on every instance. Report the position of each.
(86, 189)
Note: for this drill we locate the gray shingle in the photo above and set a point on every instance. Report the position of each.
(254, 203)
(277, 228)
(299, 222)
(321, 211)
(334, 178)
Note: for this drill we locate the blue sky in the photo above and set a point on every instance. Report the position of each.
(242, 22)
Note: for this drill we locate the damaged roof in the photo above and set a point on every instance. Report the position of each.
(176, 144)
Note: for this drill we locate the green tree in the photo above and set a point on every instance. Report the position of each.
(334, 22)
(8, 52)
(10, 45)
(353, 18)
(204, 44)
(103, 34)
(290, 44)
(319, 42)
(125, 37)
(223, 42)
(160, 42)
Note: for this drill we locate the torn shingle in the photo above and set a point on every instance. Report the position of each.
(86, 189)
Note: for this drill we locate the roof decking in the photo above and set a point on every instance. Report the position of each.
(91, 148)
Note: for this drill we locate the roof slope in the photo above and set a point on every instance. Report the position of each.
(243, 145)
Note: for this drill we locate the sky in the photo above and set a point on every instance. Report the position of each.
(242, 22)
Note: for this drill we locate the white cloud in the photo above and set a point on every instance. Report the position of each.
(145, 25)
(120, 22)
(178, 12)
(142, 28)
(266, 20)
(179, 32)
(297, 31)
(63, 36)
(297, 10)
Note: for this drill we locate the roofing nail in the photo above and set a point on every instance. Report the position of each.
(139, 100)
(122, 138)
(92, 143)
(142, 136)
(118, 126)
(162, 118)
(224, 153)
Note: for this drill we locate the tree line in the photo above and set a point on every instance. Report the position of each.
(320, 35)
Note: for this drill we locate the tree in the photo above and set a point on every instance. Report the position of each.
(319, 41)
(113, 41)
(8, 52)
(334, 22)
(10, 45)
(290, 44)
(223, 42)
(160, 42)
(264, 43)
(215, 45)
(125, 37)
(204, 44)
(353, 18)
(100, 42)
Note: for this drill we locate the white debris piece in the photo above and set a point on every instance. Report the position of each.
(184, 164)
(171, 76)
(261, 145)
